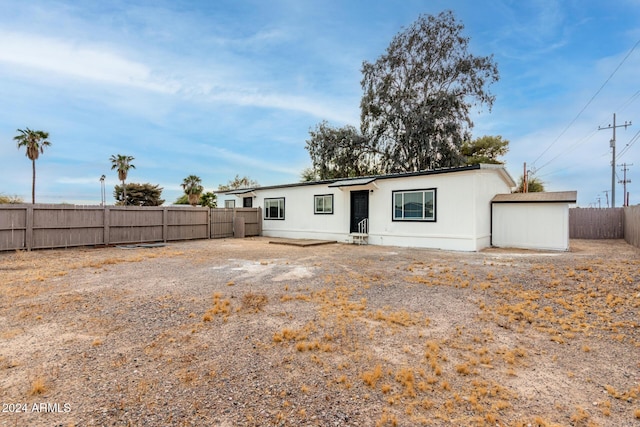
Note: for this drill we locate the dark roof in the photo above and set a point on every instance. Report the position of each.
(352, 182)
(240, 191)
(540, 197)
(359, 180)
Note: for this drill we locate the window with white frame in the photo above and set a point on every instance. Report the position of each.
(323, 204)
(274, 208)
(414, 205)
(229, 204)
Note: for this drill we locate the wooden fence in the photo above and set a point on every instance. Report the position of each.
(240, 222)
(54, 226)
(594, 223)
(632, 225)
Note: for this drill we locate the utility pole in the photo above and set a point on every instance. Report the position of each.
(624, 181)
(606, 193)
(613, 159)
(525, 179)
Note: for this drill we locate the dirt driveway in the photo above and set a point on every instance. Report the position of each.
(244, 332)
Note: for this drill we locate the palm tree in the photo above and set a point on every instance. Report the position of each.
(192, 186)
(34, 141)
(122, 163)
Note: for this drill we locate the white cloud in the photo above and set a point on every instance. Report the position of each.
(77, 60)
(96, 63)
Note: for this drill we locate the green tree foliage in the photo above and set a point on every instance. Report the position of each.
(138, 195)
(237, 182)
(182, 200)
(122, 164)
(308, 175)
(10, 200)
(418, 95)
(340, 152)
(534, 185)
(485, 149)
(192, 186)
(207, 199)
(34, 141)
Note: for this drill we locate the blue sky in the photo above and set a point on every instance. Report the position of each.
(219, 88)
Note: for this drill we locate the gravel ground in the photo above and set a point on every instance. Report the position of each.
(248, 333)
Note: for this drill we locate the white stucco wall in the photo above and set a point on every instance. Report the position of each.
(487, 184)
(462, 211)
(531, 225)
(300, 222)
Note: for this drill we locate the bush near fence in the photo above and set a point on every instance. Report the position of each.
(43, 226)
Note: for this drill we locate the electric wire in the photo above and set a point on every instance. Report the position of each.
(628, 102)
(571, 148)
(587, 104)
(586, 138)
(629, 144)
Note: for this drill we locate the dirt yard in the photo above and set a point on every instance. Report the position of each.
(248, 333)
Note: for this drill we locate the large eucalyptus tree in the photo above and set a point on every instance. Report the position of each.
(418, 95)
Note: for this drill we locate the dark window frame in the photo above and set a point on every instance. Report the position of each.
(419, 219)
(315, 205)
(266, 210)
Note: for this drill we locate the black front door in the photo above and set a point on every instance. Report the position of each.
(359, 208)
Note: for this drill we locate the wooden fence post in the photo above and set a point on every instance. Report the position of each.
(28, 232)
(105, 224)
(165, 225)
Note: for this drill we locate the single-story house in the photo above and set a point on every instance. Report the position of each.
(444, 208)
(532, 220)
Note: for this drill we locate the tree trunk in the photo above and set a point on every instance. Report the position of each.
(33, 182)
(193, 199)
(124, 191)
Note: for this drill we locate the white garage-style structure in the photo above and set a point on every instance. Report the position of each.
(444, 209)
(532, 220)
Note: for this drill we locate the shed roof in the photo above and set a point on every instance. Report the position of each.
(540, 197)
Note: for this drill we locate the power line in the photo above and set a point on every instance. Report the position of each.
(586, 138)
(629, 144)
(630, 101)
(624, 182)
(571, 148)
(587, 104)
(613, 156)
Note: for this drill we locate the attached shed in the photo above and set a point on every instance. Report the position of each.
(532, 220)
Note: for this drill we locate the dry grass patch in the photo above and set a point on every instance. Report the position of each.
(38, 386)
(385, 347)
(254, 302)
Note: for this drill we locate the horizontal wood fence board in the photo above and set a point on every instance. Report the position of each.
(44, 238)
(188, 232)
